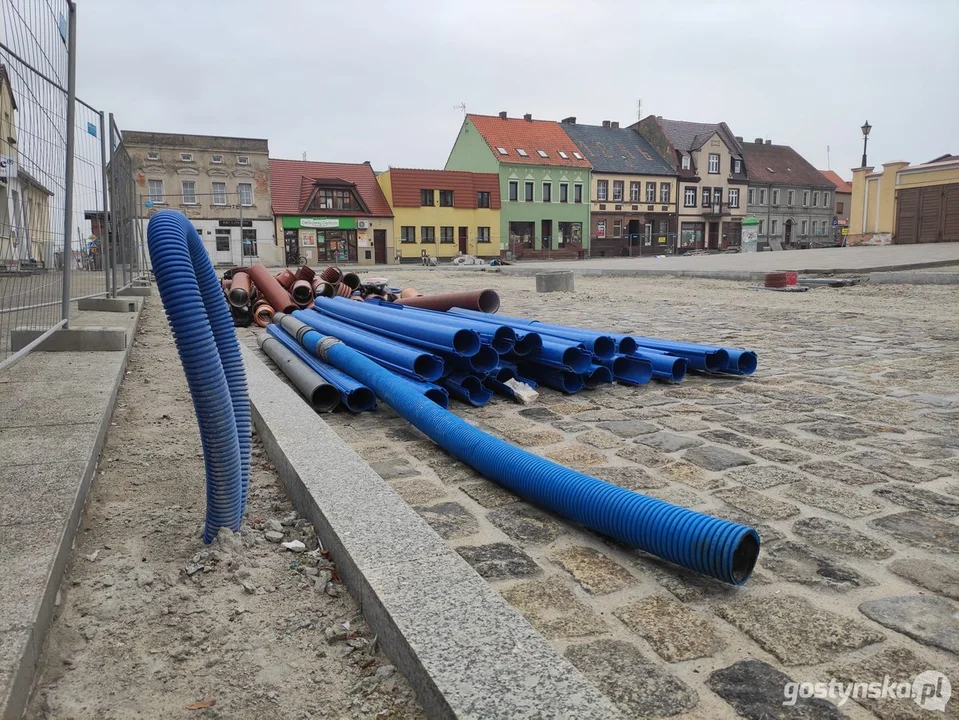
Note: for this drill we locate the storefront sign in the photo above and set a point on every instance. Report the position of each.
(8, 167)
(323, 223)
(320, 222)
(307, 238)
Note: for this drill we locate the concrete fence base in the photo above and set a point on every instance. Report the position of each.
(556, 281)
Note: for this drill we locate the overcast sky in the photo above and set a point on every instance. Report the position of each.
(378, 81)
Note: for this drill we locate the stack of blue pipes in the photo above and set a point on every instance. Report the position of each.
(472, 355)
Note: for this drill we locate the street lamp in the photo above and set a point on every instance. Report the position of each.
(865, 138)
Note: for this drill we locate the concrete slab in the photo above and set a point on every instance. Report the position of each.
(108, 304)
(43, 488)
(915, 277)
(468, 654)
(72, 339)
(135, 291)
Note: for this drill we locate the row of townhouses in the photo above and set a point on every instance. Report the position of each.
(515, 187)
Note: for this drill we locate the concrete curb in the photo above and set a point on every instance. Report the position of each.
(466, 652)
(16, 682)
(915, 278)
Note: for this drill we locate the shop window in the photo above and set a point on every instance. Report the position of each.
(249, 242)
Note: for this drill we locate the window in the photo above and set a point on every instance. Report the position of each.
(407, 234)
(219, 193)
(578, 193)
(634, 192)
(216, 159)
(691, 234)
(249, 242)
(564, 192)
(762, 196)
(245, 191)
(156, 190)
(714, 163)
(482, 199)
(617, 190)
(513, 190)
(426, 198)
(446, 234)
(664, 192)
(650, 192)
(332, 200)
(790, 197)
(427, 234)
(502, 151)
(570, 232)
(839, 207)
(686, 162)
(805, 226)
(805, 198)
(707, 196)
(522, 152)
(717, 196)
(223, 240)
(547, 192)
(186, 157)
(601, 229)
(153, 156)
(482, 235)
(761, 223)
(751, 196)
(189, 192)
(689, 198)
(242, 160)
(775, 195)
(577, 155)
(815, 199)
(775, 227)
(446, 198)
(563, 155)
(602, 190)
(825, 199)
(734, 197)
(529, 191)
(737, 166)
(617, 228)
(542, 153)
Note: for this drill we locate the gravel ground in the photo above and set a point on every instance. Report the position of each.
(150, 621)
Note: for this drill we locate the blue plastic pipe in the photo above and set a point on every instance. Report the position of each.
(502, 338)
(602, 345)
(513, 372)
(206, 342)
(560, 354)
(630, 370)
(563, 380)
(355, 396)
(665, 367)
(435, 393)
(483, 362)
(705, 544)
(402, 327)
(467, 388)
(597, 375)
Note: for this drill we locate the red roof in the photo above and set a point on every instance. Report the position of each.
(841, 185)
(513, 134)
(407, 183)
(780, 165)
(289, 179)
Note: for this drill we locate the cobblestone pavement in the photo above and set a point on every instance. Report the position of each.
(841, 451)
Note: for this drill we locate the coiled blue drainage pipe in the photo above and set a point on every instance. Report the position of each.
(665, 367)
(705, 544)
(355, 396)
(401, 326)
(206, 342)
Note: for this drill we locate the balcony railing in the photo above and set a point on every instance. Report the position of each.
(716, 208)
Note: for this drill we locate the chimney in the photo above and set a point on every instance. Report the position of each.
(502, 114)
(769, 142)
(528, 117)
(739, 138)
(759, 141)
(614, 124)
(571, 120)
(605, 123)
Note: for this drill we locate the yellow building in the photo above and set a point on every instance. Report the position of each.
(904, 204)
(443, 213)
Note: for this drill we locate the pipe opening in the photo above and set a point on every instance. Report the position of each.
(598, 375)
(528, 343)
(428, 367)
(438, 396)
(351, 280)
(466, 342)
(360, 400)
(485, 360)
(302, 293)
(632, 370)
(627, 346)
(572, 383)
(325, 398)
(680, 367)
(604, 347)
(748, 361)
(576, 360)
(716, 360)
(504, 339)
(488, 301)
(502, 374)
(239, 297)
(744, 557)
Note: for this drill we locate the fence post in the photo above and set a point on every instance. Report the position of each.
(105, 228)
(68, 177)
(114, 207)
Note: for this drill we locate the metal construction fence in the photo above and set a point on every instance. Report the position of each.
(68, 213)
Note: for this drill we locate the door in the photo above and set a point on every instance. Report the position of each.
(788, 231)
(379, 247)
(291, 241)
(223, 247)
(464, 234)
(547, 235)
(713, 242)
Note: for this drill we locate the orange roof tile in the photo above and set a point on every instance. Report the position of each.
(531, 136)
(287, 181)
(842, 186)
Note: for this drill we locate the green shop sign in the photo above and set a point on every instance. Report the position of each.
(320, 223)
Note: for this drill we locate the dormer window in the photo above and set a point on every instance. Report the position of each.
(686, 163)
(737, 166)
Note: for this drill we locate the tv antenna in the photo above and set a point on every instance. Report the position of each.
(461, 106)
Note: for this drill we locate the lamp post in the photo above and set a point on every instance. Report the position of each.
(865, 138)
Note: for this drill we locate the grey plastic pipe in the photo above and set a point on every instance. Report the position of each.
(322, 396)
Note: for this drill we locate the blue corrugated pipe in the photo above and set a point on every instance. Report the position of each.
(355, 397)
(501, 338)
(206, 341)
(602, 345)
(709, 545)
(402, 327)
(412, 362)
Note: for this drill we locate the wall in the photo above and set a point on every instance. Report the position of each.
(613, 245)
(797, 212)
(537, 211)
(470, 151)
(873, 215)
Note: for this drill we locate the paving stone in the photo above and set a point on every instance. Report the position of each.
(767, 533)
(489, 494)
(535, 438)
(405, 434)
(919, 499)
(417, 490)
(794, 630)
(930, 619)
(509, 424)
(644, 456)
(691, 475)
(450, 520)
(593, 415)
(499, 561)
(780, 455)
(931, 575)
(393, 467)
(525, 524)
(686, 585)
(552, 609)
(602, 440)
(921, 530)
(760, 505)
(840, 538)
(539, 413)
(832, 470)
(628, 428)
(827, 496)
(594, 571)
(450, 470)
(727, 437)
(576, 456)
(761, 477)
(684, 424)
(757, 691)
(817, 447)
(713, 457)
(675, 494)
(912, 449)
(675, 632)
(894, 468)
(776, 417)
(627, 476)
(799, 564)
(570, 426)
(759, 430)
(637, 686)
(668, 442)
